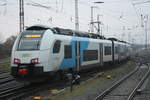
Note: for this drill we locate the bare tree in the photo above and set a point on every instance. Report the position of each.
(6, 47)
(0, 37)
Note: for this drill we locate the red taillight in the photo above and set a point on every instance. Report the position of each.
(16, 61)
(35, 61)
(22, 72)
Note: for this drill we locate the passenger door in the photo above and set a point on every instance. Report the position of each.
(101, 53)
(77, 46)
(69, 58)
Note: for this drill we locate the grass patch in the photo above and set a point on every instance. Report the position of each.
(5, 65)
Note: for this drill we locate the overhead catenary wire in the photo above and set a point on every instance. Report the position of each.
(83, 19)
(107, 14)
(4, 4)
(143, 2)
(138, 15)
(36, 4)
(114, 17)
(125, 21)
(49, 7)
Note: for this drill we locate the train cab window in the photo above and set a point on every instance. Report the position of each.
(107, 50)
(67, 51)
(30, 40)
(56, 47)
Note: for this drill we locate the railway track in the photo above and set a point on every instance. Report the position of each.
(14, 91)
(22, 90)
(10, 89)
(139, 85)
(8, 85)
(5, 77)
(125, 88)
(19, 91)
(3, 71)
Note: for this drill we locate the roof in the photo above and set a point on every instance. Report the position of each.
(70, 32)
(38, 27)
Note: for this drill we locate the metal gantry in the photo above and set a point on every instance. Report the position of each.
(92, 17)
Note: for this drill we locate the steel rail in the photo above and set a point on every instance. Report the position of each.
(3, 77)
(7, 79)
(108, 90)
(133, 93)
(22, 93)
(4, 71)
(9, 92)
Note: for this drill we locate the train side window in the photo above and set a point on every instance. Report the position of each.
(116, 50)
(107, 50)
(56, 47)
(89, 55)
(67, 51)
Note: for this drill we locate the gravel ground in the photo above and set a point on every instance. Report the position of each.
(90, 89)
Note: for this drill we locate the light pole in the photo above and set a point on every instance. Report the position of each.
(21, 14)
(123, 33)
(76, 16)
(92, 24)
(92, 14)
(129, 35)
(146, 20)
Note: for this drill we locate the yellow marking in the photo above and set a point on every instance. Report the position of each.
(25, 54)
(37, 98)
(108, 76)
(30, 54)
(54, 91)
(32, 36)
(20, 54)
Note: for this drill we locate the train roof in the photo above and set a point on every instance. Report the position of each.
(69, 32)
(38, 27)
(114, 39)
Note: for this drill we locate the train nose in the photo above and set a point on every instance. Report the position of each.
(22, 72)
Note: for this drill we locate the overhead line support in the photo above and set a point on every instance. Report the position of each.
(21, 15)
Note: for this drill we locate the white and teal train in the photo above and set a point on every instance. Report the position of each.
(40, 51)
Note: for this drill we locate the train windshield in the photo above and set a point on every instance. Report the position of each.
(30, 40)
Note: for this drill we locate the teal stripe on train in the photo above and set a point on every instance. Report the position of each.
(71, 62)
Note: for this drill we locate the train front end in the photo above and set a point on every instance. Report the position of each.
(30, 53)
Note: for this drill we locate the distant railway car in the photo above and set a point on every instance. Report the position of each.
(42, 51)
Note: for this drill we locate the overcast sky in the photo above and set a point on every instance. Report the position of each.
(114, 14)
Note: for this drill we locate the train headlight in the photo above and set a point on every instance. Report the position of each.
(16, 61)
(35, 61)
